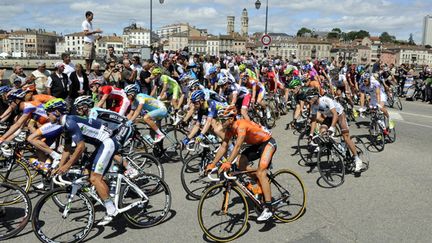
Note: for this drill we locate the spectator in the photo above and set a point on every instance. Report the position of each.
(18, 72)
(40, 78)
(57, 84)
(146, 86)
(112, 74)
(128, 74)
(136, 65)
(97, 73)
(79, 83)
(89, 39)
(124, 57)
(110, 56)
(69, 67)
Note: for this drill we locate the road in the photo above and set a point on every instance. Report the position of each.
(389, 203)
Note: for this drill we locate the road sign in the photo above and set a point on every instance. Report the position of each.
(266, 40)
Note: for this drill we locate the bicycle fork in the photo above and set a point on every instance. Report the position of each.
(68, 206)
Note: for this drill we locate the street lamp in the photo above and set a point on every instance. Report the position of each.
(257, 6)
(151, 20)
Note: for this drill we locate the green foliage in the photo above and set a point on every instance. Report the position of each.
(303, 31)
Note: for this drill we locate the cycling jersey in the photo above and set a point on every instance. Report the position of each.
(121, 103)
(36, 110)
(251, 73)
(371, 90)
(254, 133)
(93, 132)
(325, 105)
(211, 108)
(50, 132)
(340, 82)
(235, 88)
(173, 88)
(155, 108)
(42, 98)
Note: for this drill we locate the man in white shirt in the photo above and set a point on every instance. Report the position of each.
(69, 67)
(89, 39)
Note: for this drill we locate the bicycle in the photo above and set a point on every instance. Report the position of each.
(15, 210)
(144, 202)
(223, 210)
(335, 159)
(394, 98)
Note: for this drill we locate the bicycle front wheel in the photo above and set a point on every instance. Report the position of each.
(15, 210)
(52, 222)
(223, 213)
(289, 195)
(172, 144)
(18, 174)
(377, 136)
(147, 163)
(150, 209)
(331, 166)
(192, 175)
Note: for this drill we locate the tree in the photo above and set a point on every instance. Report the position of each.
(411, 40)
(337, 30)
(428, 46)
(303, 31)
(385, 37)
(335, 33)
(362, 34)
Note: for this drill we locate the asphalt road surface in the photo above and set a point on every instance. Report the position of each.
(391, 202)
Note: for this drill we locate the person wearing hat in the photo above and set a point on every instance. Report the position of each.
(40, 77)
(57, 84)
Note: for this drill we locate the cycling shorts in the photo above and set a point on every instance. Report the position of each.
(158, 114)
(261, 94)
(103, 156)
(243, 103)
(255, 152)
(342, 122)
(175, 92)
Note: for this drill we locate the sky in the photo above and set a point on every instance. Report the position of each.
(397, 17)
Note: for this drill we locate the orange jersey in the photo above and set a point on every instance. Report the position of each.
(254, 133)
(42, 98)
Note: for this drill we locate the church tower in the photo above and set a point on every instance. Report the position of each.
(244, 23)
(230, 25)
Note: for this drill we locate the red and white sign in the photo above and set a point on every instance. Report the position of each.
(266, 40)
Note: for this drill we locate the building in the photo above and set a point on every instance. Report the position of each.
(230, 25)
(168, 30)
(232, 43)
(311, 48)
(4, 43)
(244, 23)
(135, 36)
(374, 44)
(178, 41)
(412, 55)
(347, 53)
(427, 30)
(213, 45)
(388, 57)
(72, 43)
(109, 41)
(197, 44)
(31, 42)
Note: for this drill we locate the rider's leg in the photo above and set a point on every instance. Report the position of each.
(261, 173)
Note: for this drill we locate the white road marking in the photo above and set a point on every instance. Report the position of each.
(415, 124)
(413, 114)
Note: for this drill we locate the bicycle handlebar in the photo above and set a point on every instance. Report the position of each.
(218, 179)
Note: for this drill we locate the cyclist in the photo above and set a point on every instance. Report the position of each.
(85, 130)
(151, 109)
(257, 89)
(117, 95)
(329, 112)
(170, 88)
(239, 95)
(208, 108)
(378, 98)
(263, 148)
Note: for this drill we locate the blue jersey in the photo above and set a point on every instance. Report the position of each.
(211, 108)
(84, 129)
(149, 103)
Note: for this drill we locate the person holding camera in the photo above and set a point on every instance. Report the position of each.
(112, 74)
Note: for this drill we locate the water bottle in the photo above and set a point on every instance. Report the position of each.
(114, 169)
(344, 146)
(112, 187)
(341, 147)
(381, 124)
(148, 138)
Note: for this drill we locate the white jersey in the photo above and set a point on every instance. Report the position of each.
(325, 105)
(371, 90)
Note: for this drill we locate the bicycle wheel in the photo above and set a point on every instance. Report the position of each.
(362, 152)
(192, 175)
(153, 207)
(331, 166)
(398, 102)
(306, 151)
(18, 174)
(289, 195)
(172, 143)
(53, 223)
(391, 136)
(147, 163)
(270, 121)
(377, 136)
(223, 213)
(15, 210)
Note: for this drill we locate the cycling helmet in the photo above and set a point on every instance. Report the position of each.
(197, 95)
(288, 70)
(17, 94)
(242, 67)
(296, 72)
(5, 89)
(360, 69)
(94, 82)
(131, 89)
(365, 76)
(277, 62)
(56, 104)
(156, 71)
(294, 83)
(212, 70)
(223, 80)
(311, 93)
(84, 100)
(193, 83)
(227, 112)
